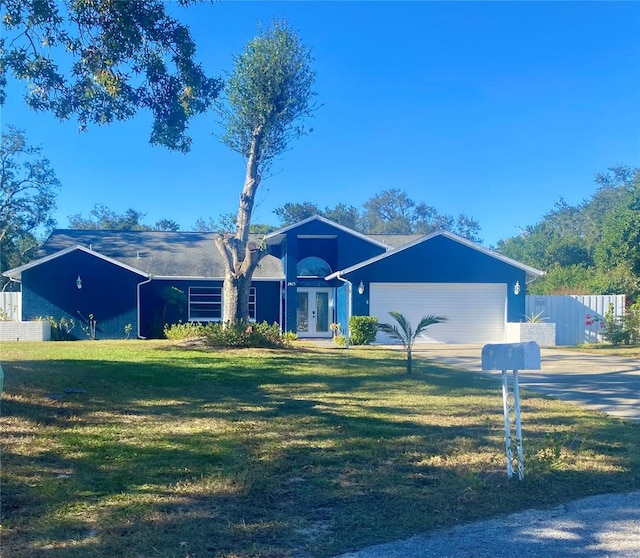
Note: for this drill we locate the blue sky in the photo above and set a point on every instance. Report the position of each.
(494, 110)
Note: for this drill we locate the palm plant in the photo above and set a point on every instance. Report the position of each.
(405, 333)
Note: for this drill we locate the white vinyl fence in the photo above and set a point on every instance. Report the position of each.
(11, 306)
(578, 318)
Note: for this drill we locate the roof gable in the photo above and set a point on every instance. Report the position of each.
(277, 236)
(530, 271)
(16, 273)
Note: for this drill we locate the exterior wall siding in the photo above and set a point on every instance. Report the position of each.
(441, 260)
(108, 292)
(338, 248)
(156, 312)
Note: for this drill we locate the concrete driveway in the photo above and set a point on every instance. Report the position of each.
(598, 382)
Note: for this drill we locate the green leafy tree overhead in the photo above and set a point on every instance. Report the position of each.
(102, 61)
(28, 190)
(404, 332)
(267, 99)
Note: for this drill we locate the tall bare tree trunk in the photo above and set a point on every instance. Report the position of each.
(240, 256)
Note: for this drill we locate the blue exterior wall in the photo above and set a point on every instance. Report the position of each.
(339, 249)
(441, 260)
(108, 292)
(155, 312)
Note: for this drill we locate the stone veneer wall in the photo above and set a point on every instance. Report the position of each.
(25, 331)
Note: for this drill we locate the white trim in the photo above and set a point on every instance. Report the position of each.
(326, 221)
(139, 310)
(202, 278)
(529, 270)
(16, 272)
(254, 304)
(312, 331)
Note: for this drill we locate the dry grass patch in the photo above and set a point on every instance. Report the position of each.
(154, 449)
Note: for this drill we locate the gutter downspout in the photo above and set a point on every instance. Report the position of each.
(138, 303)
(281, 304)
(349, 291)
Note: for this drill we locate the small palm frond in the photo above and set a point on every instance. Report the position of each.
(393, 332)
(405, 326)
(403, 330)
(427, 321)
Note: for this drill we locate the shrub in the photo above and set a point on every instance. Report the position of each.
(61, 330)
(618, 330)
(363, 329)
(289, 336)
(245, 335)
(180, 331)
(340, 340)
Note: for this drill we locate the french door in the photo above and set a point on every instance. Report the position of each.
(314, 312)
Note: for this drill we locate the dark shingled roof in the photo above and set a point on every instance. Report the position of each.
(161, 254)
(395, 240)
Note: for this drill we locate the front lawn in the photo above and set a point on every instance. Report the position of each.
(154, 449)
(626, 351)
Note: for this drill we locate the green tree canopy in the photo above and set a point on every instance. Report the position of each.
(267, 99)
(291, 213)
(103, 60)
(593, 247)
(28, 189)
(389, 212)
(103, 218)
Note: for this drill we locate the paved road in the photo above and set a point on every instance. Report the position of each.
(606, 526)
(598, 382)
(597, 527)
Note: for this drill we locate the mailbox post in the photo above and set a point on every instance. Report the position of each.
(512, 356)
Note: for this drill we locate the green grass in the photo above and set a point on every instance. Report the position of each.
(627, 351)
(176, 451)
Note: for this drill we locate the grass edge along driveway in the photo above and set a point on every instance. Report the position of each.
(145, 448)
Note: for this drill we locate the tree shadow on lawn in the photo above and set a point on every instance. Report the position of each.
(155, 455)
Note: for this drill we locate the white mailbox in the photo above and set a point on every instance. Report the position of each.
(512, 356)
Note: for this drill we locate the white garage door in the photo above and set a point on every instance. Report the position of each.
(476, 312)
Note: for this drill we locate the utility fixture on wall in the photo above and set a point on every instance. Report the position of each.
(361, 288)
(516, 288)
(79, 282)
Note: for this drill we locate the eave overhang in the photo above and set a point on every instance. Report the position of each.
(530, 271)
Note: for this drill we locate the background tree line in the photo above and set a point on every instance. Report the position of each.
(589, 248)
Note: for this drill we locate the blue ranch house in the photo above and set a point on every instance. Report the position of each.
(315, 273)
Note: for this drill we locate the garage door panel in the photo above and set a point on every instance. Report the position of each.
(476, 312)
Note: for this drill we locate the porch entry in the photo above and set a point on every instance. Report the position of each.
(314, 315)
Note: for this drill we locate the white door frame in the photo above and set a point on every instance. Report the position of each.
(316, 328)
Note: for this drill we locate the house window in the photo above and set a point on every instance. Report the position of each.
(205, 304)
(313, 267)
(252, 303)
